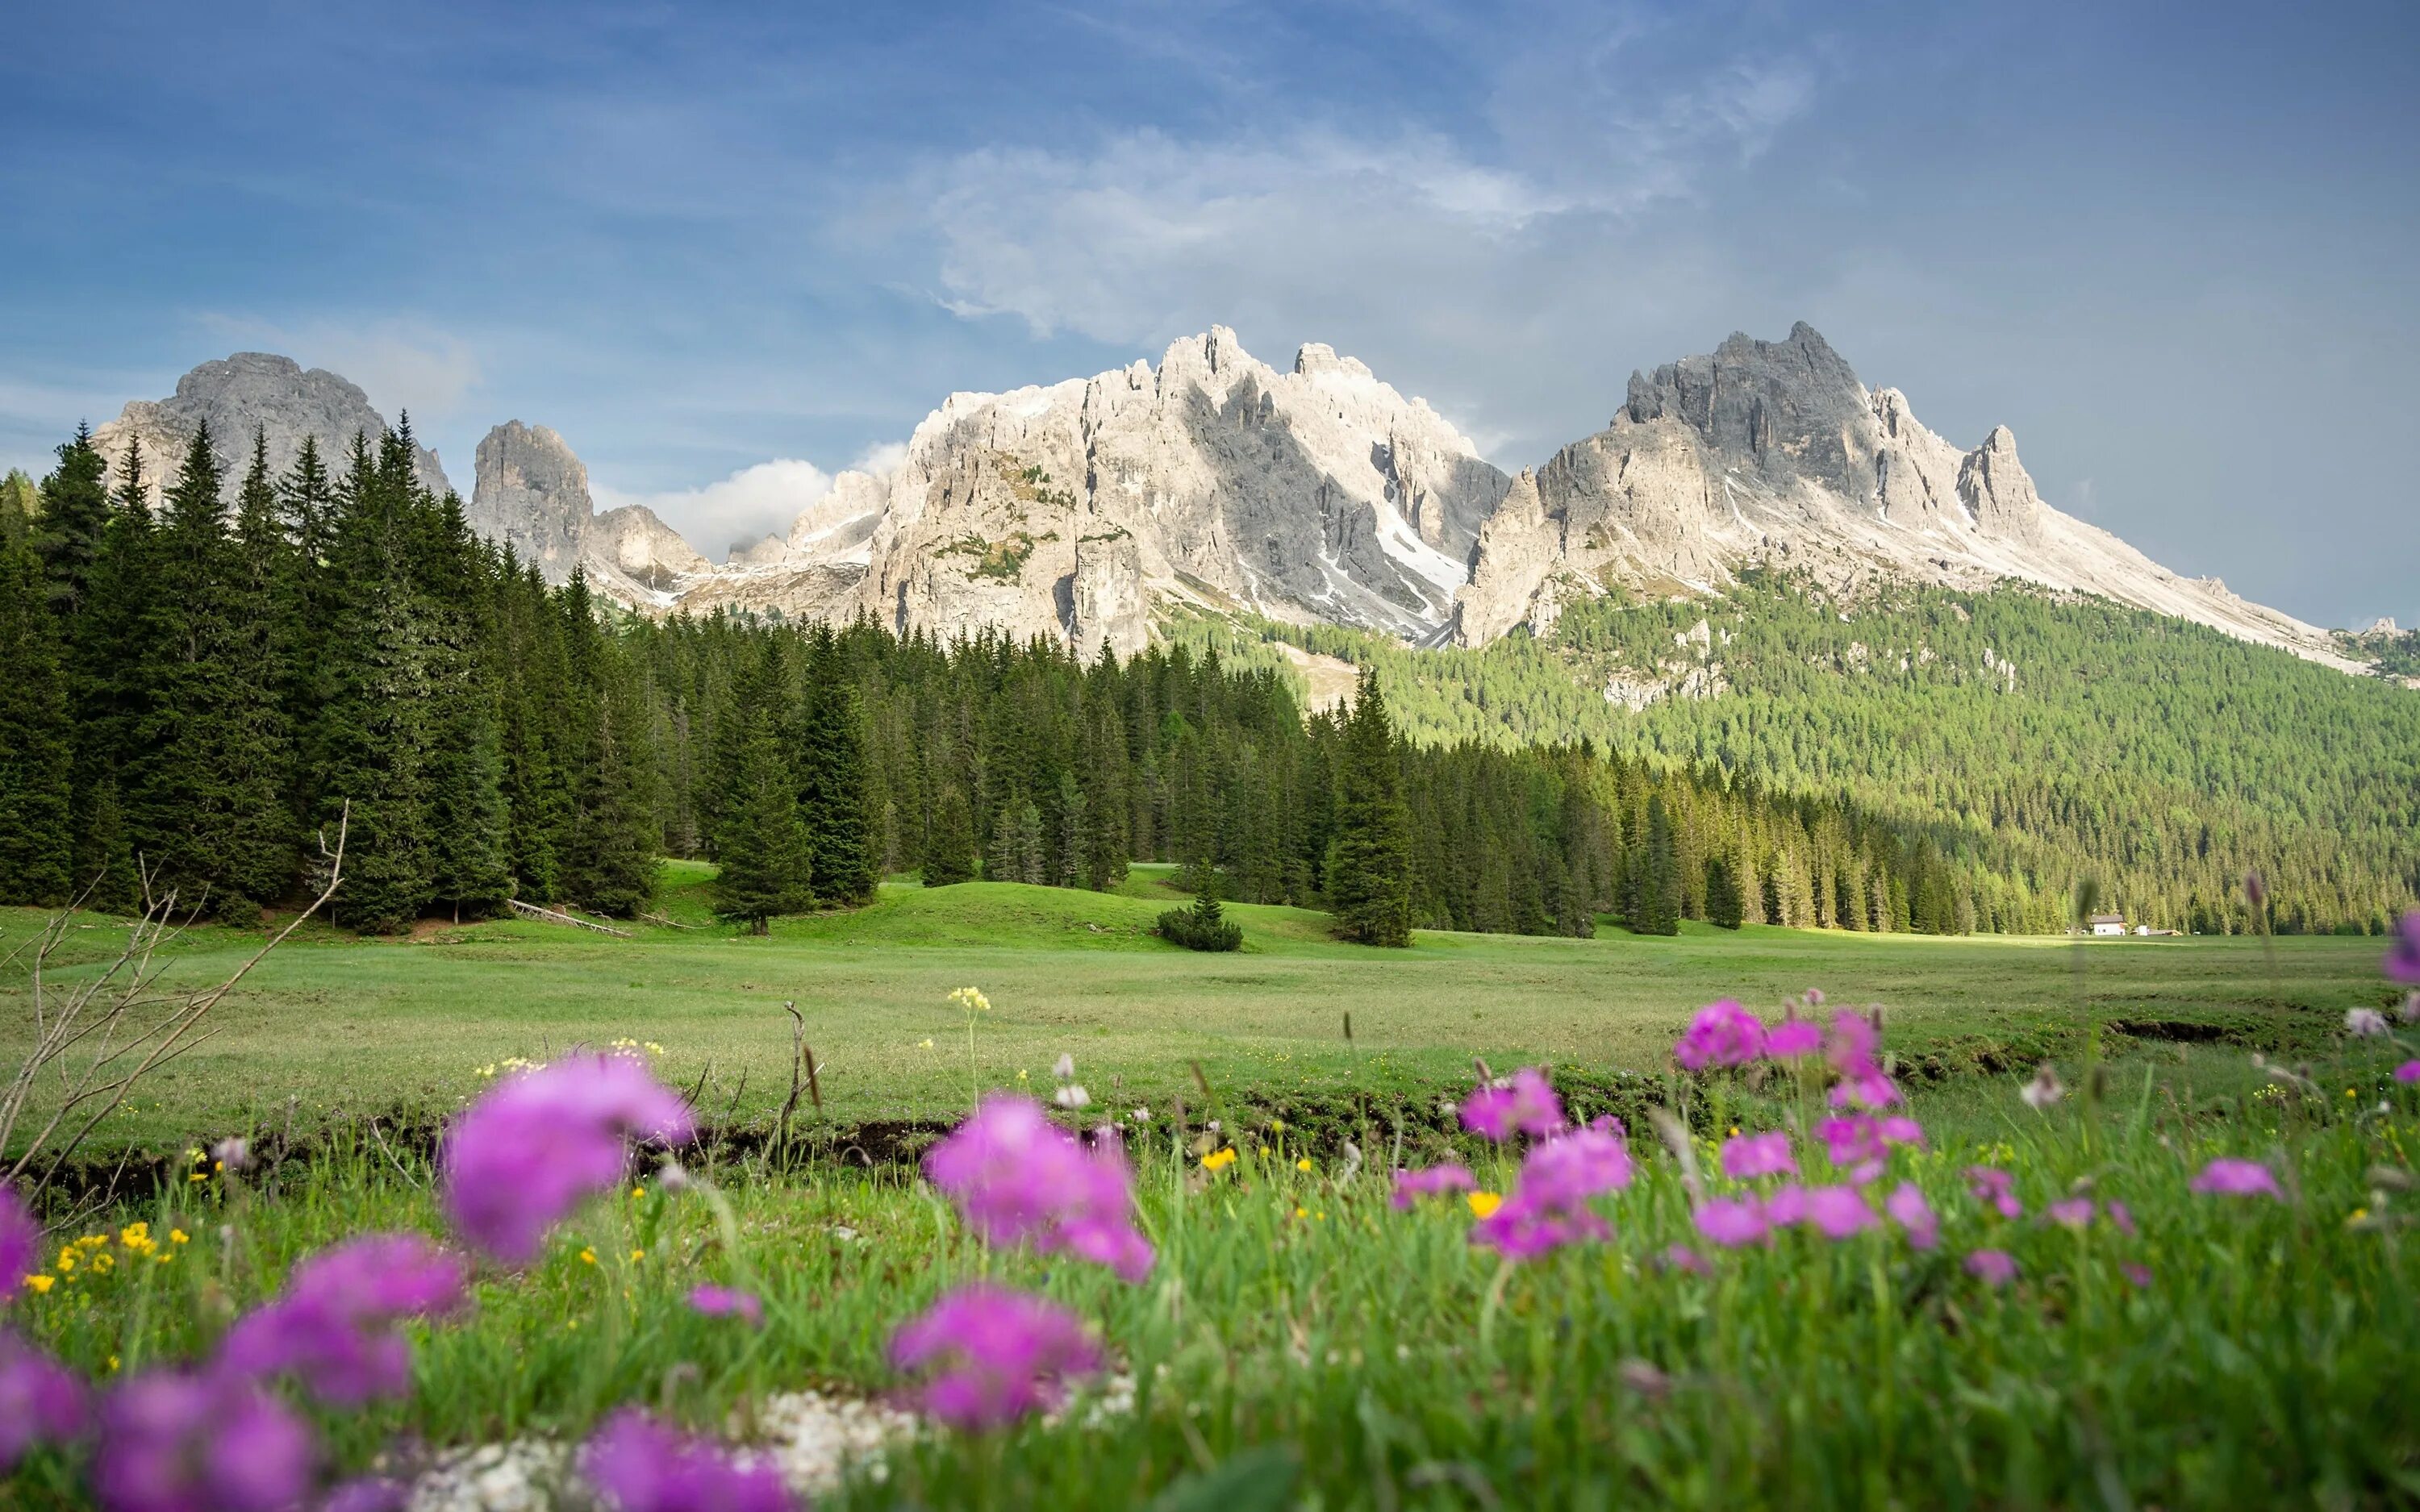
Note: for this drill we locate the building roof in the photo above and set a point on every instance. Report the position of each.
(2108, 918)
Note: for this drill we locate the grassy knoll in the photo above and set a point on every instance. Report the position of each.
(349, 1025)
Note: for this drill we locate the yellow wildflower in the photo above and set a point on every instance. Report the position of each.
(1218, 1160)
(926, 1045)
(587, 1256)
(652, 1048)
(637, 1192)
(1279, 1124)
(67, 1261)
(178, 1236)
(199, 1176)
(1303, 1163)
(971, 999)
(1483, 1203)
(1302, 1212)
(41, 1282)
(637, 1255)
(113, 1364)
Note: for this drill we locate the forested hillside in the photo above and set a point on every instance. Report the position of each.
(196, 699)
(2027, 735)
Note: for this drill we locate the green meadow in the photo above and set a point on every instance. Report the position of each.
(332, 1028)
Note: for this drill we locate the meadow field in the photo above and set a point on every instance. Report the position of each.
(2113, 1325)
(349, 1027)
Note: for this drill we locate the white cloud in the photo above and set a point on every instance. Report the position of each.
(738, 510)
(1486, 274)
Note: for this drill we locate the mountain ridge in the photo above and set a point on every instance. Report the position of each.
(1089, 508)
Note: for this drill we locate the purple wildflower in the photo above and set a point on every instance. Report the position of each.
(1681, 1258)
(1523, 1227)
(40, 1401)
(2407, 1071)
(1410, 1186)
(1994, 1188)
(2074, 1213)
(1992, 1266)
(21, 1242)
(1722, 1034)
(1566, 1171)
(334, 1324)
(2403, 961)
(1794, 1040)
(1002, 1353)
(1839, 1211)
(1525, 1104)
(1745, 1157)
(1908, 1209)
(2237, 1178)
(723, 1302)
(2139, 1274)
(642, 1466)
(1859, 1143)
(2122, 1217)
(2366, 1024)
(1868, 1090)
(1851, 1045)
(532, 1148)
(1018, 1178)
(1786, 1206)
(178, 1443)
(1731, 1222)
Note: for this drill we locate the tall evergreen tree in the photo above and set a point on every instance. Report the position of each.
(75, 513)
(833, 799)
(36, 738)
(1369, 865)
(115, 659)
(468, 829)
(1658, 886)
(1726, 905)
(765, 858)
(373, 736)
(950, 847)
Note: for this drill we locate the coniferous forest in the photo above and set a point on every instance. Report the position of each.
(198, 694)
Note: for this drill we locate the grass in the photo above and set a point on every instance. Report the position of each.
(2259, 1355)
(2264, 1358)
(347, 1027)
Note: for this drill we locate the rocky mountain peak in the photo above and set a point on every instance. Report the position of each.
(532, 495)
(242, 393)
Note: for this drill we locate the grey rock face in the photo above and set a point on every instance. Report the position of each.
(240, 395)
(532, 496)
(1773, 452)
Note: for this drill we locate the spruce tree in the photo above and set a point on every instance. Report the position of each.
(832, 790)
(1725, 904)
(466, 826)
(373, 735)
(37, 740)
(1369, 865)
(765, 858)
(1659, 878)
(950, 847)
(612, 860)
(76, 515)
(115, 655)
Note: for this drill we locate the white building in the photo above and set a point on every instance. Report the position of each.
(2108, 923)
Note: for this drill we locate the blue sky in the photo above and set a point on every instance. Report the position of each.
(2171, 246)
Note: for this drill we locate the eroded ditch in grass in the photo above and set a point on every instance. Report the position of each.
(1419, 1118)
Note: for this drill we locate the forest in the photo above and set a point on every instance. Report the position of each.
(200, 696)
(2029, 738)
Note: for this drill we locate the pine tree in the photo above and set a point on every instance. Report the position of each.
(372, 738)
(1659, 880)
(1368, 865)
(115, 655)
(37, 740)
(950, 848)
(76, 515)
(832, 795)
(765, 858)
(1726, 905)
(612, 860)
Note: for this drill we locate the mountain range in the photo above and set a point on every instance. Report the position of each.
(1089, 509)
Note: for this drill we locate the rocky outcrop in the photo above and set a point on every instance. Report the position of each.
(241, 395)
(1774, 453)
(532, 496)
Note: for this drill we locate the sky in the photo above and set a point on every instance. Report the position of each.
(729, 249)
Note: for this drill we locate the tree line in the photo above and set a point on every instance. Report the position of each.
(200, 692)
